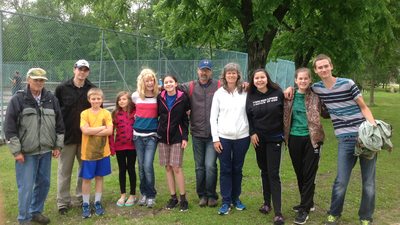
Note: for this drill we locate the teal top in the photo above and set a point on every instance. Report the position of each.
(299, 118)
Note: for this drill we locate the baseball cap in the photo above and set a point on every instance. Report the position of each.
(36, 73)
(81, 63)
(205, 63)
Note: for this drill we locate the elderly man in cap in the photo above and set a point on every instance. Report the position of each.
(72, 95)
(34, 128)
(201, 93)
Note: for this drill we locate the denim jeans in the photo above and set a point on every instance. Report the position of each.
(33, 181)
(205, 159)
(231, 161)
(145, 150)
(346, 162)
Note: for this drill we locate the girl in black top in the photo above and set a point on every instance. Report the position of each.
(264, 109)
(173, 131)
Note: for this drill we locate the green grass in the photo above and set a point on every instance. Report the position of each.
(387, 188)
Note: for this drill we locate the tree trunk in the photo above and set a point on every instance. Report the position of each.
(302, 61)
(258, 49)
(371, 91)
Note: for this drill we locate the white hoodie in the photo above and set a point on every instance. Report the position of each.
(228, 116)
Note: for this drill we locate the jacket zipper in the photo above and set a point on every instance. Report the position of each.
(169, 117)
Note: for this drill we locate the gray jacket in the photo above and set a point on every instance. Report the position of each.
(372, 139)
(33, 128)
(200, 98)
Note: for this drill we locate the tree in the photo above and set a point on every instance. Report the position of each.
(303, 27)
(381, 47)
(206, 21)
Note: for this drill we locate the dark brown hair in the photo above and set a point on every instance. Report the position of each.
(270, 84)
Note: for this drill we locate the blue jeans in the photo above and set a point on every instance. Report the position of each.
(33, 181)
(205, 159)
(145, 150)
(231, 161)
(346, 162)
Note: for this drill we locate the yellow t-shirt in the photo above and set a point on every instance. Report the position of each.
(95, 147)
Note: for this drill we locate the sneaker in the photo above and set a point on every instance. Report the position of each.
(173, 202)
(279, 220)
(41, 219)
(239, 205)
(63, 210)
(212, 202)
(297, 208)
(302, 217)
(97, 208)
(142, 200)
(224, 209)
(264, 209)
(85, 210)
(150, 202)
(365, 222)
(332, 220)
(203, 202)
(184, 206)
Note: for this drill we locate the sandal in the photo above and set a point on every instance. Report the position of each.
(121, 202)
(130, 202)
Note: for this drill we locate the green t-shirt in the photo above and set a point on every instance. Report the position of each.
(299, 117)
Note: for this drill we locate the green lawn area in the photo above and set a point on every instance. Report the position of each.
(387, 210)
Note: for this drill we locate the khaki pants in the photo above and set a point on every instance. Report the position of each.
(65, 166)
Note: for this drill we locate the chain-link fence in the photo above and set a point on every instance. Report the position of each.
(282, 72)
(116, 58)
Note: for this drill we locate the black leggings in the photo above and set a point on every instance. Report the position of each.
(269, 158)
(126, 161)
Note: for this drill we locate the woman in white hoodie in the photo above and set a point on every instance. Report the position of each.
(230, 133)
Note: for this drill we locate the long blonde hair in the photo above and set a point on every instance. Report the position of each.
(141, 87)
(118, 108)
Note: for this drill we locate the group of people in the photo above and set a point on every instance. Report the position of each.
(225, 115)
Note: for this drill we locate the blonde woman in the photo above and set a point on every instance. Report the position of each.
(145, 134)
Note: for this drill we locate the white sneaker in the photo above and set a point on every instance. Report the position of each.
(150, 202)
(142, 200)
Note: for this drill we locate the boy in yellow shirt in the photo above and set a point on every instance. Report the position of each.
(96, 125)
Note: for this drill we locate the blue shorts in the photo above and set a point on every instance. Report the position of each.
(99, 168)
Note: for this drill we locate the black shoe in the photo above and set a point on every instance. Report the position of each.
(301, 217)
(173, 202)
(184, 206)
(41, 219)
(63, 210)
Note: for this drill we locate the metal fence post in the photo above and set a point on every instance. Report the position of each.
(1, 77)
(159, 59)
(101, 55)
